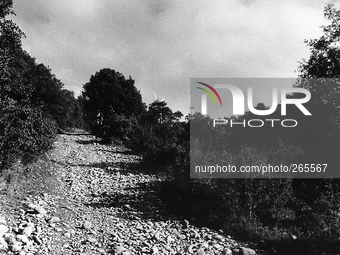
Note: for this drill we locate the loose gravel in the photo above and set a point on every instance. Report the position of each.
(102, 204)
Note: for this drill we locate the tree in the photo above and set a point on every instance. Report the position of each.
(107, 95)
(25, 131)
(156, 135)
(324, 61)
(324, 65)
(325, 52)
(320, 135)
(32, 101)
(10, 48)
(69, 111)
(159, 112)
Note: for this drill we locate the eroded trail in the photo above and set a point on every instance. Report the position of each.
(104, 205)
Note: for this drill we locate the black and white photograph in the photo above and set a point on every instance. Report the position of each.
(169, 127)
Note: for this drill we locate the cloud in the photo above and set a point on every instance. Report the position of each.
(162, 44)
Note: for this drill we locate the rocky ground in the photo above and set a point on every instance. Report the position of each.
(97, 202)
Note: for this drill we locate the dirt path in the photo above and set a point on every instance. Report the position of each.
(103, 204)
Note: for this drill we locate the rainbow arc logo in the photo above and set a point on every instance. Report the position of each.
(209, 93)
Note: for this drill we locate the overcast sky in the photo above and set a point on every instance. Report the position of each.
(162, 44)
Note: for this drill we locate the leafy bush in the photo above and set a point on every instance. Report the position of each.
(32, 102)
(157, 135)
(106, 98)
(24, 133)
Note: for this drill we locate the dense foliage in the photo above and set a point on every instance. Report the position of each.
(271, 210)
(274, 209)
(32, 100)
(109, 99)
(156, 135)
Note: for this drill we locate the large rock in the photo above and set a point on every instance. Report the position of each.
(16, 246)
(246, 251)
(3, 230)
(227, 251)
(9, 238)
(54, 220)
(92, 240)
(2, 220)
(22, 238)
(200, 251)
(29, 229)
(119, 250)
(39, 209)
(3, 244)
(37, 240)
(87, 225)
(154, 250)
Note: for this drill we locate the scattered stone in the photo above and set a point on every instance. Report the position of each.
(3, 220)
(87, 225)
(127, 207)
(39, 216)
(185, 224)
(190, 249)
(22, 238)
(28, 230)
(54, 220)
(167, 248)
(67, 234)
(219, 238)
(37, 240)
(9, 238)
(236, 251)
(154, 250)
(204, 245)
(227, 251)
(246, 251)
(16, 247)
(169, 239)
(218, 247)
(3, 244)
(119, 250)
(38, 230)
(3, 230)
(92, 240)
(200, 251)
(157, 236)
(66, 245)
(31, 206)
(182, 237)
(40, 210)
(121, 223)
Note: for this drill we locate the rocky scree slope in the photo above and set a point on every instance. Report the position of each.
(96, 202)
